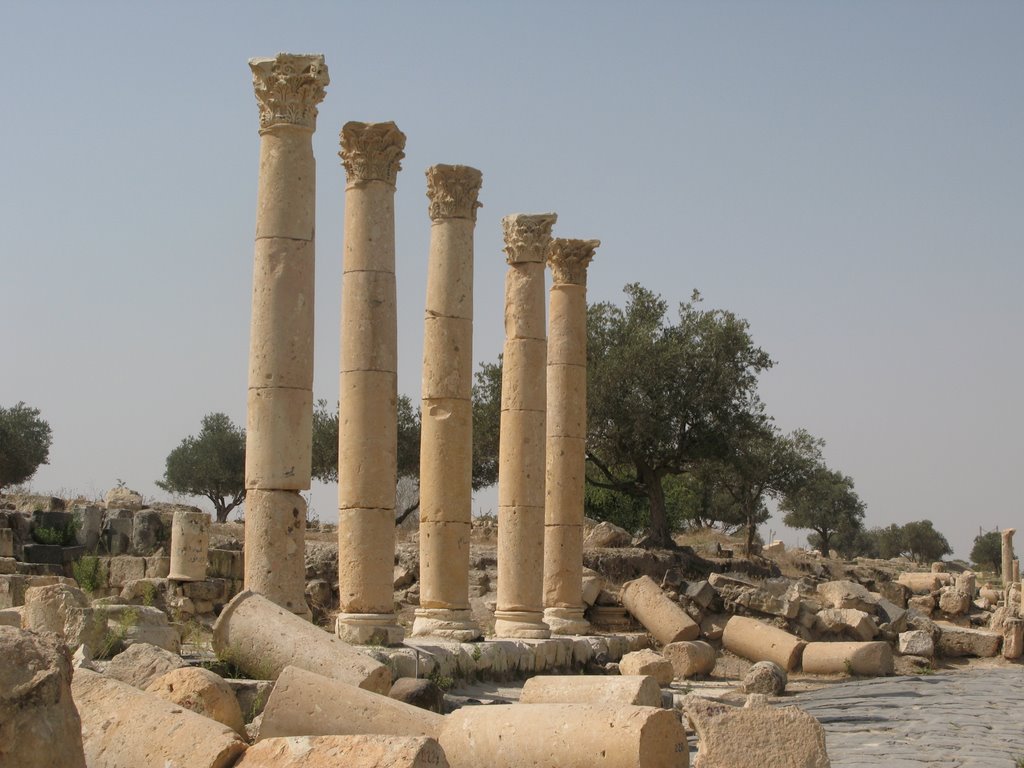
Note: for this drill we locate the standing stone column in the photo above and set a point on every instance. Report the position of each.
(520, 607)
(566, 436)
(1007, 571)
(278, 439)
(446, 437)
(368, 394)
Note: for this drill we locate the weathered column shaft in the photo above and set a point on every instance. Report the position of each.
(520, 605)
(1007, 552)
(446, 437)
(368, 386)
(279, 423)
(566, 435)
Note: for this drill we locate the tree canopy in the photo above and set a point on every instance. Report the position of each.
(923, 543)
(663, 396)
(987, 552)
(210, 464)
(825, 503)
(25, 439)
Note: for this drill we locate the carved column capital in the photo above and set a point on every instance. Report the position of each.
(372, 151)
(288, 88)
(453, 191)
(527, 236)
(570, 258)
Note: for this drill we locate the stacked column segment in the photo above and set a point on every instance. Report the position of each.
(520, 603)
(446, 442)
(280, 402)
(368, 391)
(566, 435)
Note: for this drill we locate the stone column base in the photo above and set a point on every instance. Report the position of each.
(443, 622)
(369, 629)
(566, 621)
(528, 625)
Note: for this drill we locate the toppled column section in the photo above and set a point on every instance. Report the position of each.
(872, 659)
(564, 735)
(349, 751)
(261, 639)
(368, 386)
(566, 431)
(520, 601)
(1007, 552)
(122, 726)
(39, 725)
(446, 417)
(690, 659)
(638, 690)
(307, 704)
(279, 423)
(190, 545)
(664, 618)
(757, 641)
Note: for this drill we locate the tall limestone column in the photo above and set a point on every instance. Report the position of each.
(566, 436)
(1007, 553)
(520, 608)
(278, 438)
(368, 393)
(446, 437)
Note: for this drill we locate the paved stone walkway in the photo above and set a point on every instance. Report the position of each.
(956, 720)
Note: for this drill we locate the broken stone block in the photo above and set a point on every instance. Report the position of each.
(39, 725)
(349, 751)
(647, 662)
(201, 691)
(564, 735)
(1013, 638)
(924, 583)
(962, 641)
(757, 736)
(606, 535)
(954, 602)
(891, 617)
(130, 624)
(757, 641)
(89, 526)
(846, 594)
(701, 593)
(148, 531)
(736, 592)
(593, 583)
(65, 610)
(916, 643)
(307, 704)
(124, 569)
(123, 726)
(850, 621)
(639, 690)
(6, 542)
(262, 638)
(662, 617)
(142, 663)
(872, 659)
(895, 592)
(690, 658)
(923, 603)
(712, 627)
(11, 617)
(765, 677)
(419, 692)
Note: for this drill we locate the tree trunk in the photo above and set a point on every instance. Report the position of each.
(660, 534)
(751, 530)
(826, 543)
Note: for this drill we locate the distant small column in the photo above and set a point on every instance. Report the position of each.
(279, 425)
(520, 604)
(190, 545)
(1007, 572)
(1016, 569)
(566, 436)
(368, 391)
(446, 442)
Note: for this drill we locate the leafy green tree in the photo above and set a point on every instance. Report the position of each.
(633, 512)
(825, 503)
(24, 444)
(889, 541)
(923, 543)
(987, 552)
(662, 396)
(210, 464)
(762, 464)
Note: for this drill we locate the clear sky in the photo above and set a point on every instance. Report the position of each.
(846, 176)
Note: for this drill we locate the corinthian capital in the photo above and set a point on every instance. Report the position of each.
(527, 236)
(372, 151)
(453, 191)
(288, 88)
(569, 259)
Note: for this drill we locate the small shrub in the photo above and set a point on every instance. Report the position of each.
(444, 682)
(89, 572)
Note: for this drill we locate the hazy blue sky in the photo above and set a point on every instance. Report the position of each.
(848, 177)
